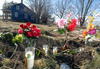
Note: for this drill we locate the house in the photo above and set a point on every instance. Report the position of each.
(20, 12)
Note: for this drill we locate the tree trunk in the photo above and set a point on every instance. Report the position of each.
(82, 21)
(37, 20)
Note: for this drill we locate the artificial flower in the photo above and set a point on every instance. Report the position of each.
(84, 33)
(36, 32)
(61, 23)
(89, 16)
(29, 31)
(92, 11)
(13, 30)
(92, 32)
(69, 14)
(28, 23)
(30, 34)
(19, 38)
(90, 24)
(20, 31)
(73, 22)
(71, 27)
(92, 18)
(96, 13)
(73, 6)
(23, 26)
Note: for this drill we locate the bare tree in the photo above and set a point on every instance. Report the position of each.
(62, 7)
(84, 8)
(47, 11)
(38, 7)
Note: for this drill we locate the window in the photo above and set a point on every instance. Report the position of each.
(25, 9)
(32, 17)
(17, 7)
(16, 14)
(26, 16)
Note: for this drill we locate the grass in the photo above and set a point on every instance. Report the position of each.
(94, 64)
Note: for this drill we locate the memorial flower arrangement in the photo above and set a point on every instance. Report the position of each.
(91, 32)
(66, 26)
(29, 32)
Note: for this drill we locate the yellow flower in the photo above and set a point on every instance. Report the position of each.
(96, 13)
(90, 24)
(94, 25)
(90, 20)
(89, 16)
(92, 11)
(88, 27)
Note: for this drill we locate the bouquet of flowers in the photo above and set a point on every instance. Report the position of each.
(91, 32)
(29, 32)
(66, 26)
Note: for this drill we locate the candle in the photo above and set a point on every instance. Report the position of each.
(29, 57)
(54, 50)
(45, 50)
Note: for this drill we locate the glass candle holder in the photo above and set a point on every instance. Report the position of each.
(54, 50)
(45, 50)
(29, 57)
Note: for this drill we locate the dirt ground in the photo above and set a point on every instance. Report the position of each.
(75, 41)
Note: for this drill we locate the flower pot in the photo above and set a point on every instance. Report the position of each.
(29, 57)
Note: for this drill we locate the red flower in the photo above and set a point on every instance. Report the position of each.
(25, 26)
(28, 23)
(36, 32)
(71, 27)
(30, 34)
(33, 27)
(73, 21)
(20, 31)
(21, 25)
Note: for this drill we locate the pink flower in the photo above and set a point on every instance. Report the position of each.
(73, 6)
(61, 23)
(20, 31)
(13, 30)
(69, 14)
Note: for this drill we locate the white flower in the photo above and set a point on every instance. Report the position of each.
(26, 30)
(1, 34)
(87, 37)
(7, 33)
(92, 36)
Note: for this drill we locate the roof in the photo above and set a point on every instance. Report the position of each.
(24, 5)
(6, 10)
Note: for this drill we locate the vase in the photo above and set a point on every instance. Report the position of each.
(29, 57)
